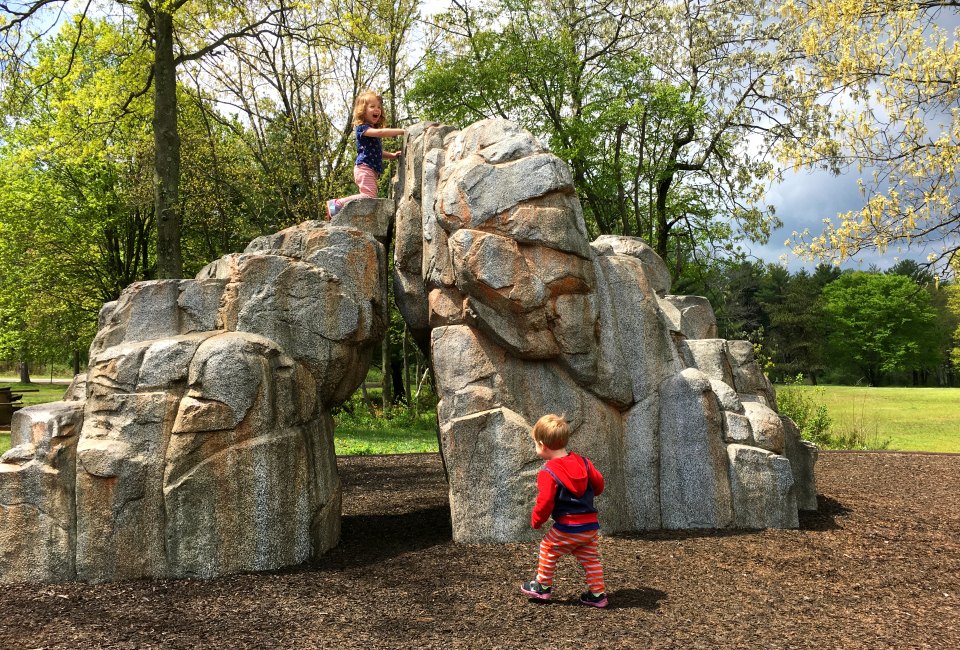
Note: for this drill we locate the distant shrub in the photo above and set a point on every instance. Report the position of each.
(806, 408)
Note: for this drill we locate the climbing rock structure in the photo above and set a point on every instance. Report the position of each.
(523, 317)
(199, 443)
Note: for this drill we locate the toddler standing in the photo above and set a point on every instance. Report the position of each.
(369, 121)
(566, 487)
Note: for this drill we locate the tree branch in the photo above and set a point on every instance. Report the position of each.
(224, 38)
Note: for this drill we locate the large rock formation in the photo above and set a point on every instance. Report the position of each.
(523, 317)
(201, 443)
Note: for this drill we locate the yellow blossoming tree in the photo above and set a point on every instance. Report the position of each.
(887, 70)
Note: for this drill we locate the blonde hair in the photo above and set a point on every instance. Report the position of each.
(360, 109)
(551, 431)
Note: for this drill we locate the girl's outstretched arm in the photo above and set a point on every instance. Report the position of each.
(391, 155)
(383, 133)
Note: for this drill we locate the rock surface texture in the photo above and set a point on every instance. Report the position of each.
(523, 316)
(200, 442)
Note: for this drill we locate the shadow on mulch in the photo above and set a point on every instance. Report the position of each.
(681, 535)
(409, 531)
(825, 517)
(643, 598)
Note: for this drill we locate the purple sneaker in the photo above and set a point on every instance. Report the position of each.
(536, 590)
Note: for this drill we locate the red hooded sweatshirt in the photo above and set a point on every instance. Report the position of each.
(574, 474)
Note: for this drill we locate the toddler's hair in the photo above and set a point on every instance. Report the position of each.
(551, 431)
(360, 109)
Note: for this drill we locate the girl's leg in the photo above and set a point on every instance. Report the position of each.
(589, 557)
(366, 180)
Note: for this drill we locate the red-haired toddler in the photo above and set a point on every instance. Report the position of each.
(566, 487)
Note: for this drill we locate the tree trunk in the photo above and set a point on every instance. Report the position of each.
(24, 368)
(386, 395)
(76, 362)
(167, 143)
(399, 390)
(406, 368)
(663, 226)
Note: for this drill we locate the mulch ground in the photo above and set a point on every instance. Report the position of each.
(878, 566)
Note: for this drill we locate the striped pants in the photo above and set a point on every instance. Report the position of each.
(366, 179)
(582, 546)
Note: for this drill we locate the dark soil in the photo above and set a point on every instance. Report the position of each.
(877, 567)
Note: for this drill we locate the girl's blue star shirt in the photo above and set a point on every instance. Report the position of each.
(369, 150)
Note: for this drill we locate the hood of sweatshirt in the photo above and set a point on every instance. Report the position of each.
(571, 470)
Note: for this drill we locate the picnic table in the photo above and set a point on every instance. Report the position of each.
(10, 402)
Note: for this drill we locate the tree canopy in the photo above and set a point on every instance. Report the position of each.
(880, 323)
(665, 111)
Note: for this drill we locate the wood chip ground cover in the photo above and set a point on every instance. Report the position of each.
(877, 566)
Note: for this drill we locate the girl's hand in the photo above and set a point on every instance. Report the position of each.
(391, 155)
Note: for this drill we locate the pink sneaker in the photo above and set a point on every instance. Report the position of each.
(587, 598)
(536, 590)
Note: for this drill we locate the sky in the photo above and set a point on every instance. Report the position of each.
(803, 200)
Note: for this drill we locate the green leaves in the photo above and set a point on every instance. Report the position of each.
(880, 323)
(652, 105)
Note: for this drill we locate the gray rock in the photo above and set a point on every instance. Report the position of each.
(120, 463)
(37, 517)
(694, 486)
(761, 485)
(497, 509)
(803, 456)
(206, 447)
(496, 140)
(748, 377)
(766, 425)
(641, 465)
(654, 268)
(371, 216)
(690, 315)
(737, 429)
(77, 390)
(475, 192)
(145, 311)
(729, 400)
(709, 356)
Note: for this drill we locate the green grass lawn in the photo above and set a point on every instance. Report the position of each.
(400, 433)
(38, 393)
(911, 419)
